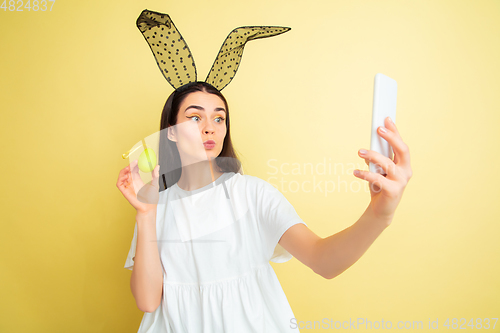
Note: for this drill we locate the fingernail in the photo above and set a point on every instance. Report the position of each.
(390, 119)
(362, 152)
(383, 130)
(356, 172)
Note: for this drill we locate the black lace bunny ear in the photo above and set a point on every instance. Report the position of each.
(175, 59)
(169, 48)
(228, 60)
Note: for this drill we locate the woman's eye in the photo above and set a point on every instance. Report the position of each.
(221, 119)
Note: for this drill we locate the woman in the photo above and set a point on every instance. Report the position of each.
(202, 246)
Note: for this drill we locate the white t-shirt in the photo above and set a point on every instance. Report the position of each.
(215, 244)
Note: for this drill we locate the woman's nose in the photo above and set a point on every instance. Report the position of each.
(208, 128)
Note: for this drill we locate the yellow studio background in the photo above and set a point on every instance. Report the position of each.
(79, 86)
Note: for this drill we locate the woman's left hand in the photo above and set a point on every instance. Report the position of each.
(386, 190)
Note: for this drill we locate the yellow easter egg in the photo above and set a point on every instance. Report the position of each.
(147, 160)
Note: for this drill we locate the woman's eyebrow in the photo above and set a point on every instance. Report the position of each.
(202, 109)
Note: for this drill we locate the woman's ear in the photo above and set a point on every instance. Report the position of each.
(171, 134)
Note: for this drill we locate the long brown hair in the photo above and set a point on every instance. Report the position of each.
(168, 155)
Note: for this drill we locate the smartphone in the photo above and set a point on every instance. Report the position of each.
(384, 105)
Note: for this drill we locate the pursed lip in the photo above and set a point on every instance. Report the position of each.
(209, 142)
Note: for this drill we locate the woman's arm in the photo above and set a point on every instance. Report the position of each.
(332, 255)
(146, 281)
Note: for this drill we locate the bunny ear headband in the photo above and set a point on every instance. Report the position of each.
(175, 59)
(177, 64)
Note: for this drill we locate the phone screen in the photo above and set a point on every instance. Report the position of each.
(384, 105)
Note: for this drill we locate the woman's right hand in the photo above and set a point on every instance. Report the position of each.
(146, 199)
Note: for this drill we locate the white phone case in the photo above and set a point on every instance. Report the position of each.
(384, 105)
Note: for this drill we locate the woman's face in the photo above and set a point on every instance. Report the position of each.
(201, 119)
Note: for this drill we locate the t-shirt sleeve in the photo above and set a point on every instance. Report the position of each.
(129, 263)
(276, 215)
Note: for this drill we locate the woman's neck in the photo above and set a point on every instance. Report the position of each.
(198, 175)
